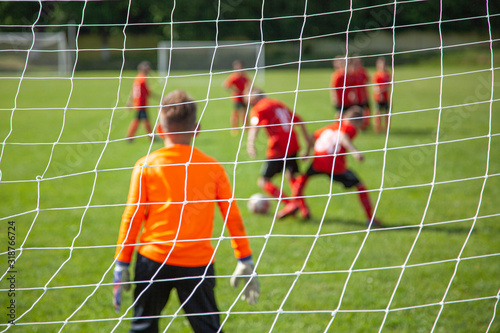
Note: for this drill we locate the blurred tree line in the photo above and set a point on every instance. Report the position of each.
(240, 19)
(282, 22)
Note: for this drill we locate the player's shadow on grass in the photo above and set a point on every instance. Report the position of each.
(450, 229)
(412, 131)
(329, 220)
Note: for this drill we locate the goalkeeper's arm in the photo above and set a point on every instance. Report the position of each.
(245, 268)
(121, 282)
(245, 272)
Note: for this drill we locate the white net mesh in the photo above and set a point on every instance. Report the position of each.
(432, 177)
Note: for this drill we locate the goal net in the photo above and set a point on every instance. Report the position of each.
(209, 56)
(48, 53)
(432, 178)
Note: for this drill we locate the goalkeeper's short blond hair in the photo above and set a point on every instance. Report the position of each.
(178, 112)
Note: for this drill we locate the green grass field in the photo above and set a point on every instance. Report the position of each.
(65, 178)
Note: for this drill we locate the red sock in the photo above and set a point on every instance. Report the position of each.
(365, 201)
(147, 125)
(275, 192)
(299, 184)
(366, 119)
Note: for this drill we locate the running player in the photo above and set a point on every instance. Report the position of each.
(381, 90)
(236, 83)
(282, 149)
(342, 93)
(139, 100)
(361, 81)
(332, 144)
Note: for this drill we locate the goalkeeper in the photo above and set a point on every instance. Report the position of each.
(172, 196)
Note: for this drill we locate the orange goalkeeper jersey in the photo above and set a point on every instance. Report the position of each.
(172, 197)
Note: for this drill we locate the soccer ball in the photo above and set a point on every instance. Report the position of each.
(258, 204)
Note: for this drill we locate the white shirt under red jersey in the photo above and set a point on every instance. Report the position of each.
(327, 148)
(277, 119)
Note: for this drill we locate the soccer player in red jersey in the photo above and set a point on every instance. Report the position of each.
(381, 90)
(343, 93)
(139, 100)
(282, 148)
(236, 83)
(332, 144)
(361, 80)
(172, 198)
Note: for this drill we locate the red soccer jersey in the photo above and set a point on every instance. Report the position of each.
(327, 148)
(361, 79)
(345, 92)
(237, 81)
(140, 91)
(382, 80)
(278, 122)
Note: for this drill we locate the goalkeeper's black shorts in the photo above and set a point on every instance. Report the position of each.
(195, 288)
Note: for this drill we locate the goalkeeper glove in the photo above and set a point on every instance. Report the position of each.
(121, 277)
(243, 272)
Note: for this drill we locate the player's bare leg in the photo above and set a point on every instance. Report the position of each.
(366, 118)
(242, 113)
(234, 122)
(378, 121)
(132, 128)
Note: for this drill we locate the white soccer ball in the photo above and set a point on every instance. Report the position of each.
(258, 204)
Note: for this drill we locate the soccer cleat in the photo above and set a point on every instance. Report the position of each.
(303, 209)
(374, 223)
(306, 215)
(290, 209)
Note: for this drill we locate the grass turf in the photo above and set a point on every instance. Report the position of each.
(65, 177)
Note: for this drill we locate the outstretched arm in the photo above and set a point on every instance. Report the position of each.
(346, 142)
(308, 137)
(252, 135)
